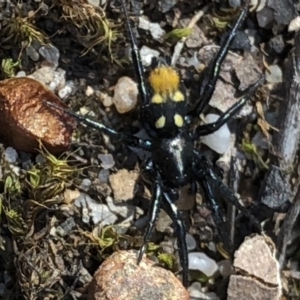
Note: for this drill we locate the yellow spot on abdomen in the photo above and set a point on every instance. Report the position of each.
(164, 80)
(157, 99)
(178, 96)
(178, 120)
(160, 122)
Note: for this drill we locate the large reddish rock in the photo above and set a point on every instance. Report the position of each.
(26, 118)
(120, 278)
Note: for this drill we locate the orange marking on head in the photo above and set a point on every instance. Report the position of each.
(164, 80)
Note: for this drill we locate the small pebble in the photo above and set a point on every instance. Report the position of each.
(167, 246)
(107, 161)
(51, 54)
(124, 210)
(294, 25)
(59, 80)
(92, 210)
(277, 44)
(190, 241)
(225, 268)
(147, 55)
(104, 98)
(156, 31)
(201, 262)
(141, 222)
(274, 74)
(265, 17)
(32, 53)
(107, 101)
(103, 175)
(65, 92)
(53, 78)
(70, 88)
(126, 95)
(218, 141)
(211, 246)
(85, 111)
(195, 289)
(11, 155)
(164, 222)
(64, 228)
(89, 91)
(194, 61)
(40, 159)
(85, 184)
(21, 74)
(196, 293)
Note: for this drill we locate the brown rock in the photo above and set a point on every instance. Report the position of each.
(120, 278)
(25, 118)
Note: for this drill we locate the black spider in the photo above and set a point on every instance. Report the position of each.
(175, 162)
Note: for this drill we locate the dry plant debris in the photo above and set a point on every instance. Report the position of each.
(92, 27)
(26, 119)
(119, 278)
(50, 178)
(17, 30)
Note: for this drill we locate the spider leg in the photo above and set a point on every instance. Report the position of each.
(217, 212)
(211, 80)
(173, 212)
(213, 182)
(129, 140)
(154, 211)
(230, 197)
(206, 129)
(136, 59)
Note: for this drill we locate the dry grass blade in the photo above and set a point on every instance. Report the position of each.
(93, 26)
(17, 30)
(50, 178)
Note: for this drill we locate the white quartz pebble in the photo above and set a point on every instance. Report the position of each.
(201, 262)
(126, 95)
(218, 141)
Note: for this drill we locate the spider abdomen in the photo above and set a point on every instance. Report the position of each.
(173, 159)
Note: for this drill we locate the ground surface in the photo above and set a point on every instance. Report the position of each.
(52, 238)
